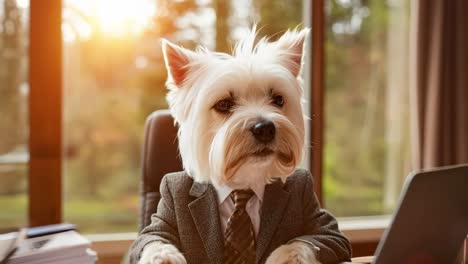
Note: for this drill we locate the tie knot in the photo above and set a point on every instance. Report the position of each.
(241, 197)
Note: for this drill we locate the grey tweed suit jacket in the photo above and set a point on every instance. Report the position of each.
(188, 218)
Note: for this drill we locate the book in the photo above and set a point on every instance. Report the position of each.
(9, 244)
(48, 229)
(65, 247)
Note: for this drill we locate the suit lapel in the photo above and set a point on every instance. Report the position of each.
(205, 215)
(274, 202)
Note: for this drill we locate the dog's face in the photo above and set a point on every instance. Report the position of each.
(240, 117)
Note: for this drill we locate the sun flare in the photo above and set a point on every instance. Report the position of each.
(121, 16)
(115, 17)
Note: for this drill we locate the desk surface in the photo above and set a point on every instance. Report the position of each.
(367, 259)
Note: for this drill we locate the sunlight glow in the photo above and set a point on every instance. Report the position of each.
(112, 18)
(122, 16)
(22, 3)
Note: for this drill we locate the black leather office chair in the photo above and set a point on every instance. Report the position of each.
(159, 157)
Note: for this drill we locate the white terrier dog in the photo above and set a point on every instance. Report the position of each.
(240, 117)
(241, 126)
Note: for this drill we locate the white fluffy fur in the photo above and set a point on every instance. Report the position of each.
(217, 149)
(159, 253)
(294, 253)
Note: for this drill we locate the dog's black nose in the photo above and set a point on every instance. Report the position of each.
(264, 131)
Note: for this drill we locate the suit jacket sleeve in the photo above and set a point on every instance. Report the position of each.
(321, 229)
(163, 227)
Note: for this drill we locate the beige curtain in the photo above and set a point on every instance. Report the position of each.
(439, 82)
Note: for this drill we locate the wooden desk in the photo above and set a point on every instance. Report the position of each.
(365, 260)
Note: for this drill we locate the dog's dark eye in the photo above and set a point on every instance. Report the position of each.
(278, 100)
(224, 106)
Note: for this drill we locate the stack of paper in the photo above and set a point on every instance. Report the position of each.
(65, 248)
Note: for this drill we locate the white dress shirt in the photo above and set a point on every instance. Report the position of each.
(226, 206)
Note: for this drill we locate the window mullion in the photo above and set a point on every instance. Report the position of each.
(45, 112)
(317, 94)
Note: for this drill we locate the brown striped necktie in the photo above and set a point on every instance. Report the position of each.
(239, 237)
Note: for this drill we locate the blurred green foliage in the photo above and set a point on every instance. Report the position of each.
(13, 114)
(356, 106)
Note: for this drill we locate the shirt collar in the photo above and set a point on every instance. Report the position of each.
(224, 191)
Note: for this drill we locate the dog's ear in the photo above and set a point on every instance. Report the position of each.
(291, 48)
(177, 61)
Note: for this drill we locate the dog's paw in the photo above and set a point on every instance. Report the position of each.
(159, 253)
(294, 253)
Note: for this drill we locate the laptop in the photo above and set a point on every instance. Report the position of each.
(431, 221)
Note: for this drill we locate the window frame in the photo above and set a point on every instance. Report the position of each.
(317, 86)
(45, 113)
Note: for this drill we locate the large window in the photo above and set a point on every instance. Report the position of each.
(366, 154)
(13, 112)
(114, 78)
